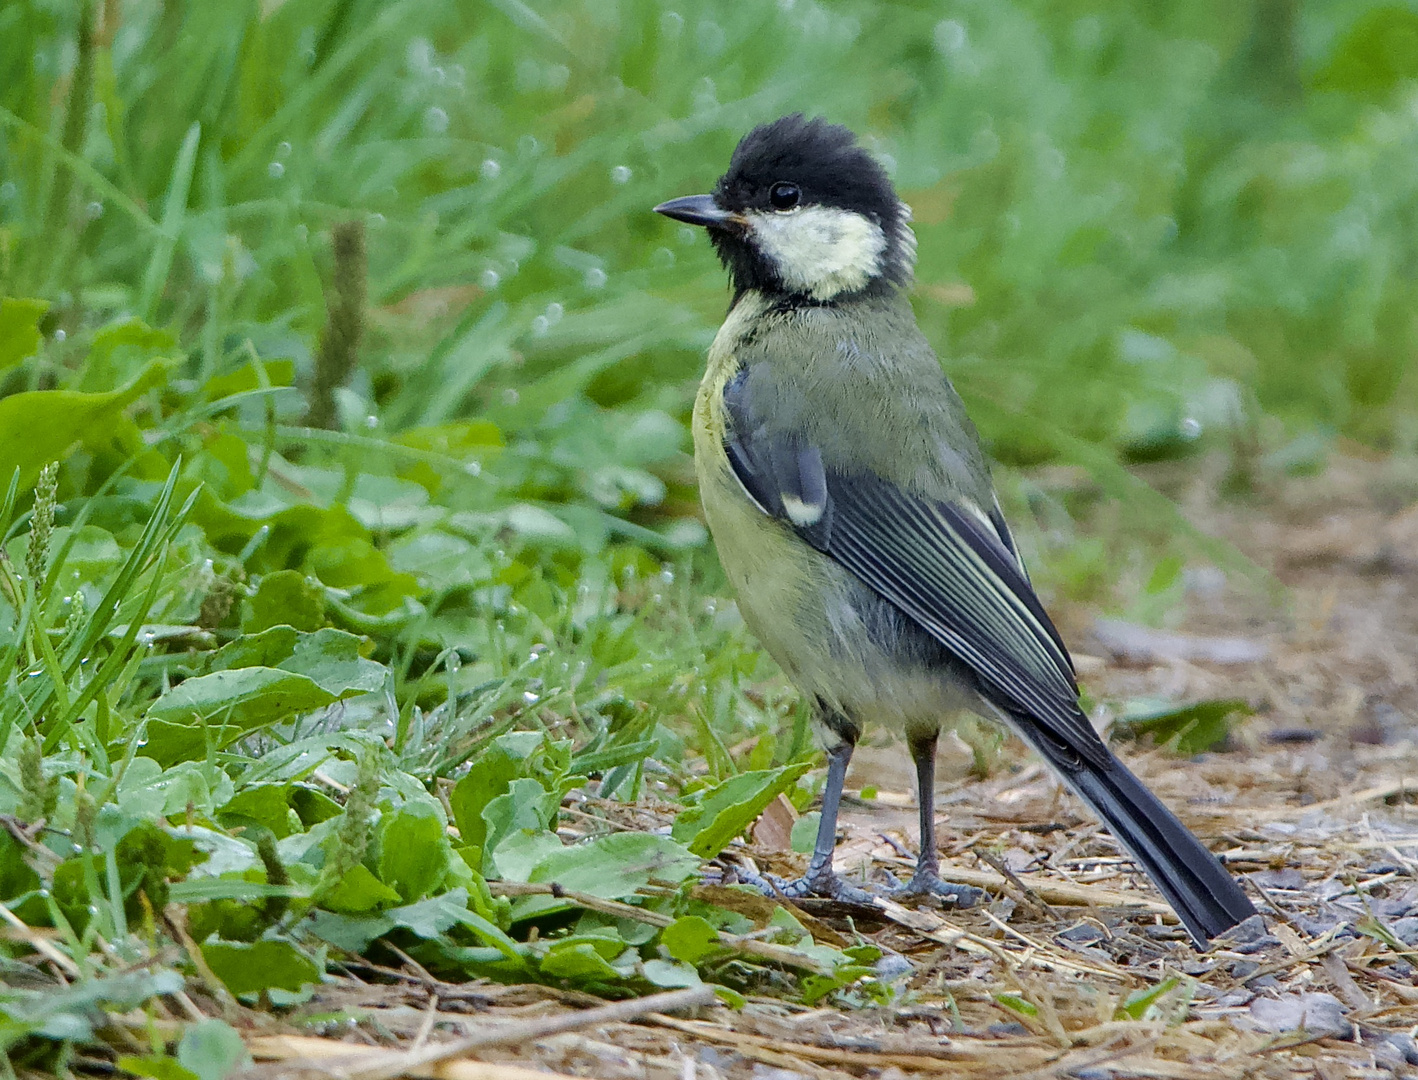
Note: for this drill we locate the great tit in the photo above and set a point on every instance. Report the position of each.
(853, 511)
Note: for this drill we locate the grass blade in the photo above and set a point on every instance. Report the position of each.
(173, 217)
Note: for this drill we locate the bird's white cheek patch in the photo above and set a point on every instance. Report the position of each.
(820, 250)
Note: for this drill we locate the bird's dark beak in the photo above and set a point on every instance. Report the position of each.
(701, 210)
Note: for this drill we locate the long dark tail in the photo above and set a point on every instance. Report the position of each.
(1200, 889)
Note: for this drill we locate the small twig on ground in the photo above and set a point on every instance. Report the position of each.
(188, 1006)
(779, 954)
(1033, 900)
(950, 1057)
(39, 945)
(399, 1063)
(176, 918)
(309, 1054)
(1382, 791)
(430, 1014)
(1071, 1064)
(1070, 894)
(1339, 976)
(429, 982)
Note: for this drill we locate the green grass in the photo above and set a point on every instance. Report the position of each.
(1142, 235)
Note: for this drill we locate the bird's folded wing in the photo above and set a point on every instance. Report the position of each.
(943, 564)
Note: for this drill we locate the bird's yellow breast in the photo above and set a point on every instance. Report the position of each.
(771, 570)
(803, 607)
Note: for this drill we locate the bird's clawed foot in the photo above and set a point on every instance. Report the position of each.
(824, 883)
(929, 883)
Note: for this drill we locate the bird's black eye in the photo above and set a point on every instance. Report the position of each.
(784, 196)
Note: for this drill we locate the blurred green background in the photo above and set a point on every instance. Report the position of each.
(1136, 222)
(1146, 232)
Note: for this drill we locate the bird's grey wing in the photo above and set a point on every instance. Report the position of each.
(946, 565)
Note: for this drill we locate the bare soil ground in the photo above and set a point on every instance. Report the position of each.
(1313, 802)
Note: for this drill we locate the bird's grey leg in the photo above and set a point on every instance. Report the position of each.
(927, 880)
(820, 879)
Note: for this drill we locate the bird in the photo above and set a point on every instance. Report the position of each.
(855, 517)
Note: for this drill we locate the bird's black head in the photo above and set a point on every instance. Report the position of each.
(804, 211)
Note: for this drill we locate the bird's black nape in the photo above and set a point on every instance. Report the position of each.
(829, 168)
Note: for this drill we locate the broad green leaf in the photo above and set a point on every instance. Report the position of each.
(212, 1050)
(321, 668)
(285, 598)
(18, 879)
(157, 1067)
(670, 976)
(579, 960)
(495, 937)
(330, 658)
(1017, 1004)
(863, 954)
(91, 553)
(171, 792)
(19, 329)
(612, 867)
(200, 889)
(413, 851)
(1377, 53)
(268, 648)
(1189, 729)
(817, 987)
(434, 916)
(232, 704)
(732, 998)
(250, 967)
(353, 933)
(1136, 1004)
(725, 811)
(520, 851)
(40, 426)
(441, 560)
(267, 805)
(691, 939)
(65, 1013)
(119, 350)
(64, 1027)
(489, 775)
(359, 892)
(804, 834)
(526, 806)
(245, 378)
(313, 806)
